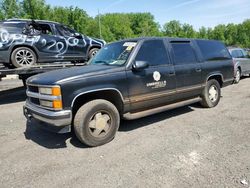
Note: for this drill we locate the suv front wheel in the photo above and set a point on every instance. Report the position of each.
(96, 122)
(23, 57)
(211, 94)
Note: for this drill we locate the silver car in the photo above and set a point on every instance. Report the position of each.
(241, 62)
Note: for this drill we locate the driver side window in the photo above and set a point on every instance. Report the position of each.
(64, 31)
(153, 52)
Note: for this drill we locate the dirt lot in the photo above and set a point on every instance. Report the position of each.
(186, 147)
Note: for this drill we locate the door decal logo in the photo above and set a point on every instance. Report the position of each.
(157, 83)
(156, 76)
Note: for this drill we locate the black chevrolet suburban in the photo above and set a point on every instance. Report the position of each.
(129, 79)
(24, 43)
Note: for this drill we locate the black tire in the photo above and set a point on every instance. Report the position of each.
(23, 57)
(88, 118)
(237, 76)
(209, 101)
(92, 52)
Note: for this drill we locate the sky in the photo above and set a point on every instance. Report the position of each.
(208, 13)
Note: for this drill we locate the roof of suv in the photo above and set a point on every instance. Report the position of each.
(170, 38)
(29, 20)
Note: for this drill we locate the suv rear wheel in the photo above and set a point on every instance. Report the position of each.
(92, 52)
(23, 57)
(211, 94)
(96, 122)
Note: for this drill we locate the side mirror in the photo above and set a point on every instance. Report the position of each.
(78, 36)
(140, 65)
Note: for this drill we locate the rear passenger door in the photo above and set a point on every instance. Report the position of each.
(154, 85)
(187, 68)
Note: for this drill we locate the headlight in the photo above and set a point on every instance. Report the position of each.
(53, 97)
(55, 91)
(55, 104)
(46, 103)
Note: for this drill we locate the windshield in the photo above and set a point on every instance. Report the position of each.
(114, 54)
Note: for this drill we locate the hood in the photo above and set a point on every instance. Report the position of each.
(60, 76)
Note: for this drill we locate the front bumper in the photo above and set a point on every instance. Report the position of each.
(55, 118)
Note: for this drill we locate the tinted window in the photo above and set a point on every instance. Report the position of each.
(183, 53)
(237, 54)
(13, 28)
(65, 31)
(213, 50)
(153, 52)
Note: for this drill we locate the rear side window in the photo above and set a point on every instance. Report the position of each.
(183, 53)
(13, 28)
(153, 52)
(213, 50)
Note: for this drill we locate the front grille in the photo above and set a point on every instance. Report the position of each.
(34, 100)
(33, 88)
(34, 96)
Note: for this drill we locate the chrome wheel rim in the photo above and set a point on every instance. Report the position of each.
(213, 93)
(24, 58)
(237, 77)
(100, 124)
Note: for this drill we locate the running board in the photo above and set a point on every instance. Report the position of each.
(137, 115)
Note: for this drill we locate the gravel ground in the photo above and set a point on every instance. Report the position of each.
(186, 147)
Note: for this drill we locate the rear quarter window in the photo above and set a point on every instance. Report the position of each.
(213, 50)
(13, 28)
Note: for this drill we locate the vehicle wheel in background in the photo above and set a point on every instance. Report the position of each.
(237, 76)
(92, 52)
(96, 122)
(23, 57)
(211, 94)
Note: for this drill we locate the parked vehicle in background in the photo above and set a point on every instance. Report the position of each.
(241, 61)
(24, 43)
(129, 79)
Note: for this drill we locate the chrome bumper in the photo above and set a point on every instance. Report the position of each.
(56, 118)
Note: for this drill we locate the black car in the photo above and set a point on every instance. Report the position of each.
(129, 79)
(27, 42)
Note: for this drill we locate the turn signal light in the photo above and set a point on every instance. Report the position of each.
(57, 104)
(56, 91)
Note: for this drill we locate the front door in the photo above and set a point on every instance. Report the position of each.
(155, 85)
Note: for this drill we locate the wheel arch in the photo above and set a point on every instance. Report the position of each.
(110, 94)
(216, 76)
(92, 47)
(27, 46)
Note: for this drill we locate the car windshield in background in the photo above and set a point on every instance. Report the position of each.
(114, 54)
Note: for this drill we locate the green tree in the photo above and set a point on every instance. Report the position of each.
(172, 29)
(117, 24)
(9, 9)
(35, 9)
(188, 31)
(143, 24)
(202, 33)
(219, 32)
